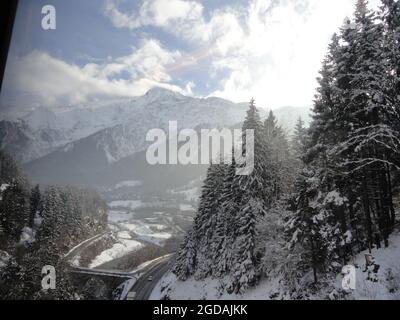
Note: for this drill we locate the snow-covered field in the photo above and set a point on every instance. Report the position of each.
(115, 216)
(128, 184)
(129, 221)
(186, 207)
(133, 231)
(116, 251)
(146, 232)
(135, 222)
(387, 286)
(129, 204)
(189, 194)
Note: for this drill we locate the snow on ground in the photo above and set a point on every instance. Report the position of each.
(113, 227)
(130, 204)
(141, 266)
(128, 183)
(158, 227)
(118, 250)
(138, 227)
(335, 197)
(155, 238)
(125, 288)
(209, 289)
(190, 194)
(97, 237)
(147, 263)
(4, 257)
(144, 232)
(37, 220)
(186, 207)
(119, 216)
(387, 286)
(121, 219)
(27, 236)
(76, 261)
(3, 187)
(124, 235)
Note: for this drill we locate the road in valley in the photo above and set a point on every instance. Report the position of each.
(83, 245)
(143, 279)
(143, 287)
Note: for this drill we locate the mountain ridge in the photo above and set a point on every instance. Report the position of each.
(46, 130)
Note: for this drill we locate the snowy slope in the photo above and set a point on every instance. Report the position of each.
(125, 119)
(120, 124)
(19, 139)
(387, 286)
(118, 250)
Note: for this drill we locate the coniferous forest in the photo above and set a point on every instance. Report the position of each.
(323, 198)
(37, 228)
(326, 193)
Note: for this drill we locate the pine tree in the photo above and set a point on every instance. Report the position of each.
(15, 208)
(299, 140)
(225, 233)
(258, 184)
(207, 219)
(50, 232)
(278, 148)
(222, 240)
(244, 271)
(256, 196)
(352, 147)
(370, 122)
(185, 264)
(35, 205)
(9, 169)
(302, 229)
(196, 256)
(390, 18)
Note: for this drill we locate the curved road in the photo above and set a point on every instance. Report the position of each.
(83, 245)
(143, 286)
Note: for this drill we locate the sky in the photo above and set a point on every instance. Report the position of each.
(234, 49)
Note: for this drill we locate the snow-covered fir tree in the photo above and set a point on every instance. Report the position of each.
(345, 199)
(279, 154)
(222, 239)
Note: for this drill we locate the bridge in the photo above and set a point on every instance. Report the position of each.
(113, 278)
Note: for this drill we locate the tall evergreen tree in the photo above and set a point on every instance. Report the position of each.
(15, 210)
(256, 197)
(299, 140)
(35, 205)
(278, 148)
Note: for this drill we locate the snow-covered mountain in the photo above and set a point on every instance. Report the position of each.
(49, 129)
(86, 140)
(18, 139)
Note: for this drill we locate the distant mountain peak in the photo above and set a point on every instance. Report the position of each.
(160, 92)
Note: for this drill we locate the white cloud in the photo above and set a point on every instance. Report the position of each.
(182, 18)
(279, 58)
(159, 13)
(51, 81)
(271, 49)
(268, 49)
(280, 55)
